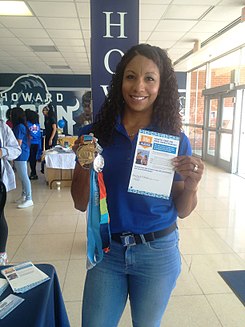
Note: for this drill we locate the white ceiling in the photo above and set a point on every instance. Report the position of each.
(65, 24)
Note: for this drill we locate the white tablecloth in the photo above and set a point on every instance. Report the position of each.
(62, 160)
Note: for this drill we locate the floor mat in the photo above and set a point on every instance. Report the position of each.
(236, 280)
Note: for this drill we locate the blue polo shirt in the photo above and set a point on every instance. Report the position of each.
(131, 212)
(35, 132)
(20, 133)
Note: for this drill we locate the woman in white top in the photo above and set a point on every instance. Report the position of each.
(9, 150)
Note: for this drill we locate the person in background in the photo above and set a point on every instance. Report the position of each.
(86, 117)
(10, 124)
(83, 116)
(51, 132)
(9, 150)
(143, 95)
(22, 135)
(32, 118)
(8, 116)
(50, 124)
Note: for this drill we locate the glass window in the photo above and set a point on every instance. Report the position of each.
(213, 109)
(242, 67)
(211, 143)
(195, 135)
(227, 113)
(222, 69)
(197, 84)
(225, 146)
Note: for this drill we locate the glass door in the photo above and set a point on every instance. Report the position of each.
(220, 109)
(211, 129)
(225, 131)
(241, 151)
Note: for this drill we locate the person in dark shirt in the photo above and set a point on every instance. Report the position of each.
(50, 124)
(51, 133)
(32, 118)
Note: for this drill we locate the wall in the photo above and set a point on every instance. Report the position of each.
(69, 94)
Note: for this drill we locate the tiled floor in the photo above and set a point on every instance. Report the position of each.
(211, 239)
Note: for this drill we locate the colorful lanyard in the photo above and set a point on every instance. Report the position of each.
(98, 228)
(104, 215)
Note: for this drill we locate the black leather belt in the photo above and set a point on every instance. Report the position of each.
(133, 239)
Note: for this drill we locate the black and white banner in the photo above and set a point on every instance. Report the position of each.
(72, 105)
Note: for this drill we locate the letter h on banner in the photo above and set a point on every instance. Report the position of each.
(114, 29)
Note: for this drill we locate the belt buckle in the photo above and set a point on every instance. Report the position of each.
(128, 239)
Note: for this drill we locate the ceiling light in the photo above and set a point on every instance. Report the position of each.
(43, 48)
(59, 67)
(14, 8)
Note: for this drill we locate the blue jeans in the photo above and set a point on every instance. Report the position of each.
(21, 168)
(147, 273)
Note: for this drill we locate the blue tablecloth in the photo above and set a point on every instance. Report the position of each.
(43, 305)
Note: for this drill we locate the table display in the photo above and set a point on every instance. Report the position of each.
(43, 306)
(60, 163)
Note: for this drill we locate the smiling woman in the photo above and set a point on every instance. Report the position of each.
(144, 260)
(141, 82)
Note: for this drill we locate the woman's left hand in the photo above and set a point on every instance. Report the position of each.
(191, 169)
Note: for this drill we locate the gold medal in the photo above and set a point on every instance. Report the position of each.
(86, 153)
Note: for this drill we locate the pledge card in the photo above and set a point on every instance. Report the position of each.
(9, 304)
(152, 172)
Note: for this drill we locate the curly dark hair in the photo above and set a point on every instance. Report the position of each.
(19, 117)
(166, 116)
(32, 116)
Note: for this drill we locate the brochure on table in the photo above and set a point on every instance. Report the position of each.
(3, 285)
(8, 304)
(24, 277)
(152, 172)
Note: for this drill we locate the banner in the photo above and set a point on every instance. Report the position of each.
(114, 29)
(71, 104)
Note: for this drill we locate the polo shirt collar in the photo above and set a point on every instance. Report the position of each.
(121, 129)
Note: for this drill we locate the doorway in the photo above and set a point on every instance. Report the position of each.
(241, 147)
(218, 129)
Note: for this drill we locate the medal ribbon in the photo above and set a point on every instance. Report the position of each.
(98, 229)
(104, 215)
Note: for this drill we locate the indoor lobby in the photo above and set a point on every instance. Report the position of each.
(49, 52)
(211, 240)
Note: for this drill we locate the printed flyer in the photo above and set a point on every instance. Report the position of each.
(152, 172)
